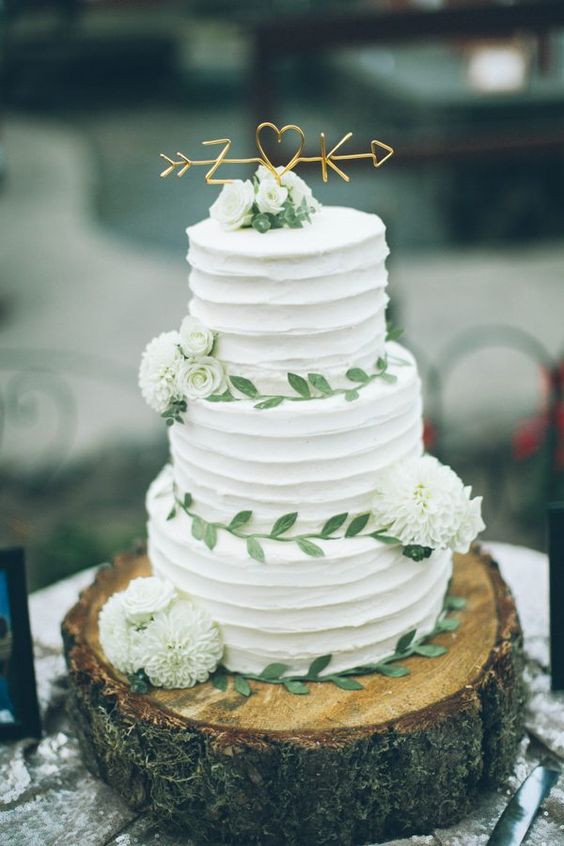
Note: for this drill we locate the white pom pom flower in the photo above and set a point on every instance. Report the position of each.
(201, 378)
(160, 363)
(146, 596)
(423, 502)
(180, 646)
(233, 207)
(271, 196)
(117, 634)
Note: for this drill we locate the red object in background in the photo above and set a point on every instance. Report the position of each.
(429, 435)
(531, 434)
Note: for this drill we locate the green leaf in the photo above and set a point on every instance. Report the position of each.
(318, 665)
(310, 548)
(355, 374)
(261, 222)
(393, 332)
(299, 384)
(245, 386)
(187, 500)
(171, 513)
(283, 524)
(393, 671)
(210, 536)
(389, 377)
(385, 538)
(219, 680)
(455, 603)
(351, 395)
(448, 624)
(429, 650)
(320, 383)
(240, 519)
(405, 641)
(297, 687)
(382, 363)
(242, 686)
(273, 671)
(139, 681)
(334, 523)
(255, 550)
(357, 525)
(417, 552)
(226, 396)
(346, 683)
(272, 402)
(198, 527)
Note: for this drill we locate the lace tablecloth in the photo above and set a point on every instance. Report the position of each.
(47, 797)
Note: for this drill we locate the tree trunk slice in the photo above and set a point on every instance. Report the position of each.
(402, 756)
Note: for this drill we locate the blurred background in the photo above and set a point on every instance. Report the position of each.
(469, 93)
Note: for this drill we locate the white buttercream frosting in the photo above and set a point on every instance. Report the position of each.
(305, 300)
(299, 300)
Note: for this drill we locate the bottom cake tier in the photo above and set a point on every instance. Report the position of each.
(398, 757)
(353, 603)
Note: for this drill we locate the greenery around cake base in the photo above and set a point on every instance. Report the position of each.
(408, 645)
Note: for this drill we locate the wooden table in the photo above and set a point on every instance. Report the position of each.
(47, 797)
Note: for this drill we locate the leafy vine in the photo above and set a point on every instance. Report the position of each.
(315, 387)
(207, 531)
(407, 645)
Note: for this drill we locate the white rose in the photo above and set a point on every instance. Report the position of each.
(116, 635)
(201, 378)
(158, 371)
(271, 196)
(144, 597)
(195, 338)
(298, 190)
(233, 207)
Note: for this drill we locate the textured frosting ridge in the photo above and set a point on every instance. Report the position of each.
(303, 300)
(308, 300)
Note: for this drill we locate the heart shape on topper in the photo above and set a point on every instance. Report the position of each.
(390, 152)
(279, 133)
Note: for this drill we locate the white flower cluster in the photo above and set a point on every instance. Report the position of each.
(423, 502)
(265, 203)
(176, 366)
(149, 627)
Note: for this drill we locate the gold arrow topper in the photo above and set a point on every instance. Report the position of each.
(378, 154)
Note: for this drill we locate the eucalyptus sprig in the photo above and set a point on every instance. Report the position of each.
(207, 531)
(407, 645)
(314, 387)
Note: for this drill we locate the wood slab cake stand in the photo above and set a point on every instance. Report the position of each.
(400, 757)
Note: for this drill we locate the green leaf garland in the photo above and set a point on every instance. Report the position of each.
(408, 645)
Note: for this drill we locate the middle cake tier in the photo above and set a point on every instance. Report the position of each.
(319, 457)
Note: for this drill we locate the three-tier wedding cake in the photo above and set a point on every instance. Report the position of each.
(298, 513)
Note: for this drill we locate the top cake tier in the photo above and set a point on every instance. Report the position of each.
(294, 300)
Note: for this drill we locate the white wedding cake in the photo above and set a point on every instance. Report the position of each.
(298, 511)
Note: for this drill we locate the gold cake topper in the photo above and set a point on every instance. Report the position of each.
(326, 159)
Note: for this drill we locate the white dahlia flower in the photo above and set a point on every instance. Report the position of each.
(180, 646)
(421, 501)
(116, 634)
(195, 338)
(144, 597)
(271, 196)
(158, 371)
(201, 378)
(233, 207)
